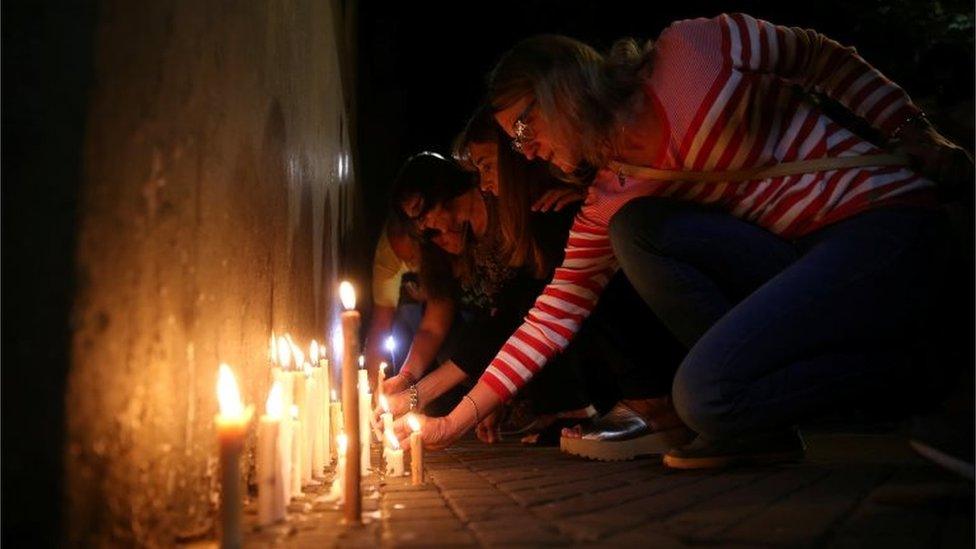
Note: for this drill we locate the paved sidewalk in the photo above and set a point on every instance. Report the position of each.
(853, 491)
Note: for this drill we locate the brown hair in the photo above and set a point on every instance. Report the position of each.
(584, 95)
(519, 183)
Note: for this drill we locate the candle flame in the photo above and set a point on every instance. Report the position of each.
(313, 352)
(284, 353)
(362, 361)
(384, 403)
(343, 442)
(334, 397)
(227, 394)
(394, 443)
(413, 422)
(298, 355)
(347, 294)
(294, 411)
(275, 406)
(390, 343)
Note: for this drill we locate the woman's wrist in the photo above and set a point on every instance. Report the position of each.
(408, 375)
(913, 124)
(463, 417)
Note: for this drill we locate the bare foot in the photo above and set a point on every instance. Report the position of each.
(658, 412)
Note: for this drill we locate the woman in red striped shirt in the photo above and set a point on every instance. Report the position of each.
(796, 261)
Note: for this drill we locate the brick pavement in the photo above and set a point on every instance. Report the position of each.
(853, 491)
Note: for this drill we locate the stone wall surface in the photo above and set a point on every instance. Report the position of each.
(218, 183)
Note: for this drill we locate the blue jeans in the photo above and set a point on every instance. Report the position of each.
(781, 330)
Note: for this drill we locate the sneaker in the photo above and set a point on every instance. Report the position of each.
(778, 447)
(622, 434)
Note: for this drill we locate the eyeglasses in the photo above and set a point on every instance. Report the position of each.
(522, 132)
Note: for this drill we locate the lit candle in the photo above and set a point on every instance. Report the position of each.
(303, 401)
(390, 345)
(296, 453)
(386, 416)
(381, 377)
(335, 417)
(271, 503)
(342, 444)
(311, 430)
(283, 376)
(350, 402)
(394, 456)
(416, 450)
(324, 384)
(231, 423)
(365, 411)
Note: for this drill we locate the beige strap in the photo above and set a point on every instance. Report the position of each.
(753, 174)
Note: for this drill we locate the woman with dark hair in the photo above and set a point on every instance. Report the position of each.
(797, 262)
(468, 260)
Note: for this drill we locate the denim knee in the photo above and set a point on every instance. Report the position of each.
(698, 400)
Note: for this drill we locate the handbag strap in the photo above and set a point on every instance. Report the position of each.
(752, 174)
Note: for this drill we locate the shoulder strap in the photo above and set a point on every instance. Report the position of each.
(752, 174)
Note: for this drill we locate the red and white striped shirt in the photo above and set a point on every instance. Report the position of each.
(725, 91)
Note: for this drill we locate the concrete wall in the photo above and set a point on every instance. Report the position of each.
(217, 186)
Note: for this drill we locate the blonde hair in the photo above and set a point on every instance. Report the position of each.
(584, 95)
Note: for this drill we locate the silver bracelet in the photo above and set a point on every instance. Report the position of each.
(477, 413)
(414, 397)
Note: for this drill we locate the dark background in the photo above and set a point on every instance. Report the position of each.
(422, 65)
(420, 72)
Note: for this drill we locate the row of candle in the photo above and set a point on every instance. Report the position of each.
(293, 451)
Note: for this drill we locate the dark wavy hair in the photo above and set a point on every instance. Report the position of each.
(583, 95)
(435, 180)
(432, 178)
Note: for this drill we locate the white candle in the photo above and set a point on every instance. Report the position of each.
(352, 510)
(311, 429)
(271, 504)
(296, 452)
(301, 434)
(324, 382)
(416, 450)
(381, 377)
(386, 416)
(286, 429)
(365, 406)
(365, 410)
(318, 442)
(394, 456)
(335, 415)
(338, 481)
(231, 424)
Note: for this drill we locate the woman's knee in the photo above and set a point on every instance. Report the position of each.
(699, 401)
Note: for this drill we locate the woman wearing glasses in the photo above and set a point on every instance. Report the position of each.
(797, 261)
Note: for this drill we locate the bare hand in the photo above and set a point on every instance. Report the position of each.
(558, 198)
(489, 430)
(398, 383)
(935, 156)
(399, 404)
(437, 432)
